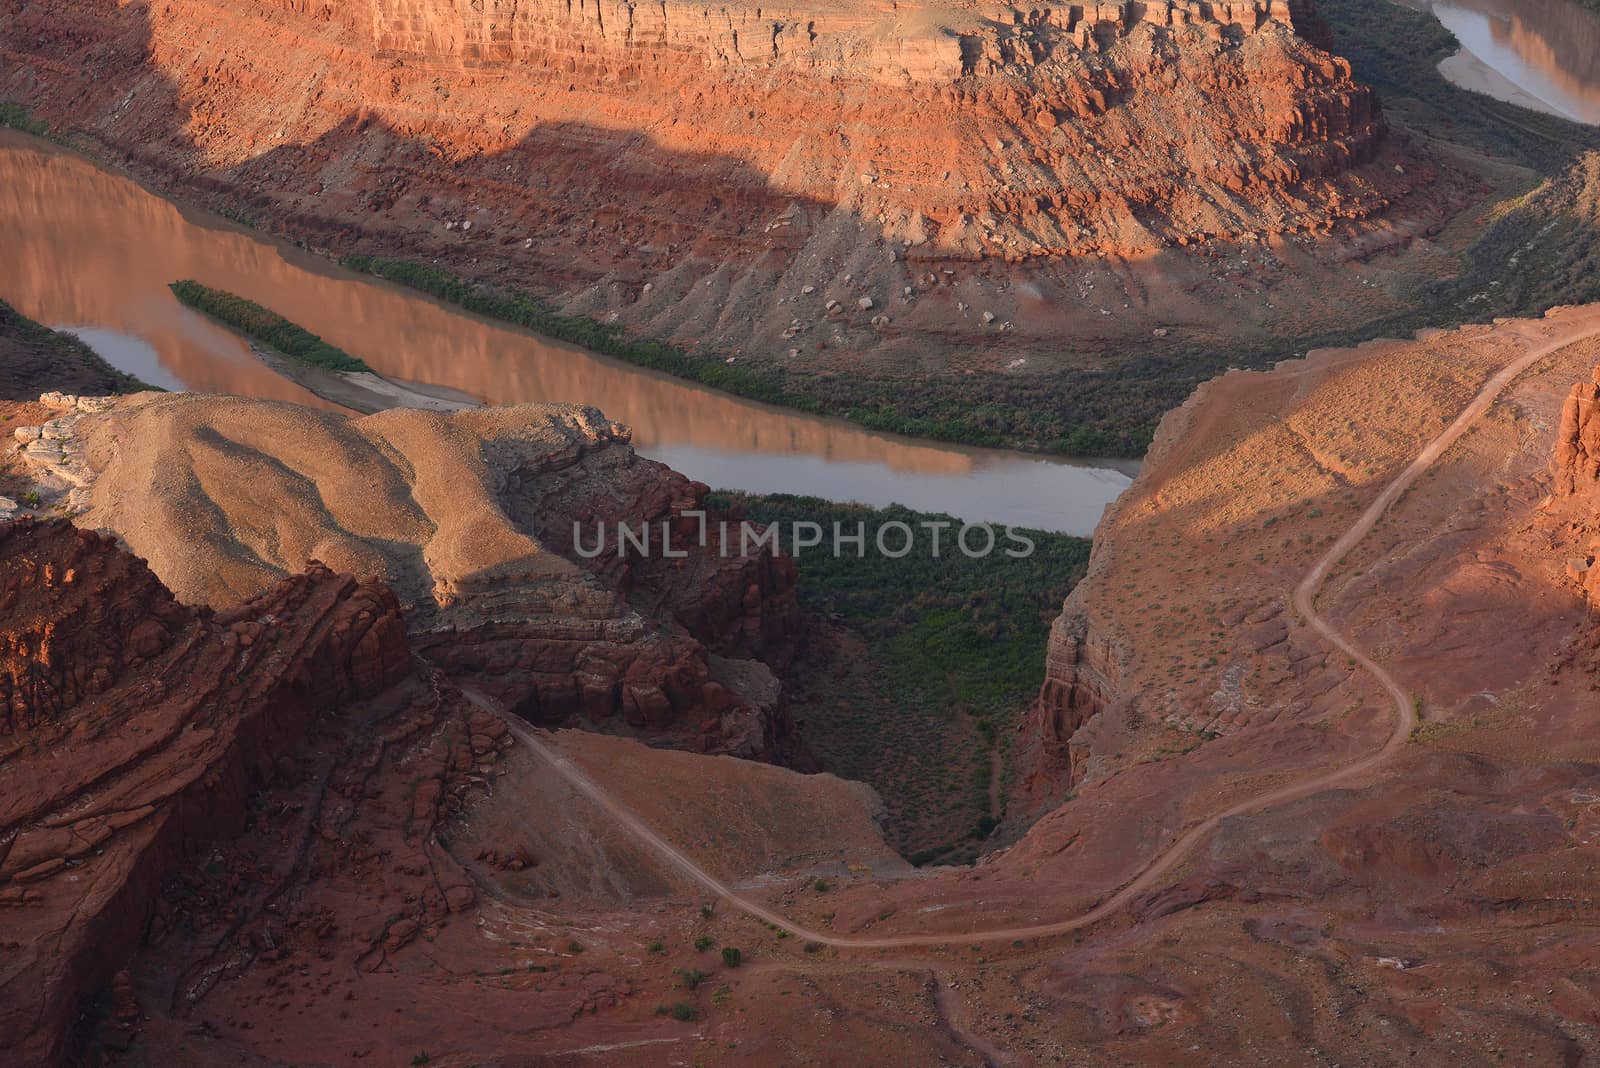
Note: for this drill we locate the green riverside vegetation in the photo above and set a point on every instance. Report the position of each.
(17, 118)
(1040, 414)
(266, 326)
(914, 678)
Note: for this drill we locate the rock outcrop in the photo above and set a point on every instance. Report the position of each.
(135, 730)
(1577, 455)
(496, 528)
(1576, 469)
(1081, 675)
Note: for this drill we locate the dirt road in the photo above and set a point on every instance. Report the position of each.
(1305, 596)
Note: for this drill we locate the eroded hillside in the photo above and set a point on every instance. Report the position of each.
(474, 519)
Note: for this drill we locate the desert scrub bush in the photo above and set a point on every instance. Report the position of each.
(732, 957)
(691, 978)
(266, 326)
(682, 1010)
(704, 942)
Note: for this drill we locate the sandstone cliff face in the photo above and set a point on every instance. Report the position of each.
(476, 519)
(1082, 674)
(603, 148)
(135, 729)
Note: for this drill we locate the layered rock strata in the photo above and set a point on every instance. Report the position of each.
(676, 165)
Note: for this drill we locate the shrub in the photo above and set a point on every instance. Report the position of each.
(704, 942)
(679, 1011)
(731, 957)
(266, 326)
(17, 117)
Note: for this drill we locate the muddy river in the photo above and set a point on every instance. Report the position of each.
(89, 251)
(1541, 54)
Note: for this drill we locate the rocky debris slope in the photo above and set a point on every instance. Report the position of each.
(485, 523)
(678, 166)
(134, 731)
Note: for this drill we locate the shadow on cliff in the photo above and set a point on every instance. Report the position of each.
(597, 214)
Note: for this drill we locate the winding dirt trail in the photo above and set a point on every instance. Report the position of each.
(1305, 596)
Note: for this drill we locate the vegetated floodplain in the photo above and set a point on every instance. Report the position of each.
(1074, 414)
(266, 326)
(918, 668)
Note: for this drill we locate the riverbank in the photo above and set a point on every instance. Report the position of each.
(35, 359)
(304, 358)
(1105, 404)
(364, 392)
(1534, 243)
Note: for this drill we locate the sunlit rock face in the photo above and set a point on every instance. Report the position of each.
(625, 156)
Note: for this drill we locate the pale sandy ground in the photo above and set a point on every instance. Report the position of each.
(1473, 74)
(365, 391)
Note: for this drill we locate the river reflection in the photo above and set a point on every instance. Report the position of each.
(92, 252)
(1539, 53)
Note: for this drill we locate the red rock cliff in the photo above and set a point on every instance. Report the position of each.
(603, 147)
(135, 728)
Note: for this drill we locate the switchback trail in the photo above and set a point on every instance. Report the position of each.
(1305, 596)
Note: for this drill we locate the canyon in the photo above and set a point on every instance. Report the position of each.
(1410, 908)
(325, 738)
(826, 194)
